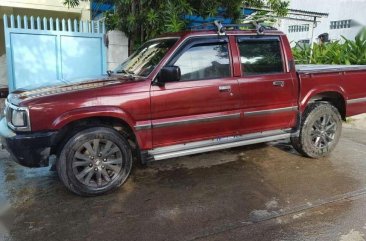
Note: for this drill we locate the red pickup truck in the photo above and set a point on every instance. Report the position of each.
(182, 94)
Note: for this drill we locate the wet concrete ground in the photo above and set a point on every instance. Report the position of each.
(261, 192)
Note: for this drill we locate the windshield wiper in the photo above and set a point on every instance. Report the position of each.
(110, 72)
(129, 74)
(125, 72)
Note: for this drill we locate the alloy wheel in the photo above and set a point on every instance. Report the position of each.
(323, 131)
(97, 163)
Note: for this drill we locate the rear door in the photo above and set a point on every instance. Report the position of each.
(266, 86)
(205, 103)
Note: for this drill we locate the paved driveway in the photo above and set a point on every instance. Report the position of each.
(261, 192)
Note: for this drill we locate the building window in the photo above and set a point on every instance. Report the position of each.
(298, 28)
(303, 43)
(340, 24)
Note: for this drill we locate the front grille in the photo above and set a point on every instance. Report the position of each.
(8, 112)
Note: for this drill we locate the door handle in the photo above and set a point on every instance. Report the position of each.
(225, 88)
(279, 83)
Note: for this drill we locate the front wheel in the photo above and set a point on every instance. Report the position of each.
(95, 161)
(320, 130)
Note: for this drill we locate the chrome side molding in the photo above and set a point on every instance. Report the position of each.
(271, 111)
(197, 120)
(218, 144)
(143, 127)
(188, 121)
(216, 118)
(355, 101)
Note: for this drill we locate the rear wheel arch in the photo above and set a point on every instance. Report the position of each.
(334, 98)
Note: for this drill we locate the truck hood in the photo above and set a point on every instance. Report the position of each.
(21, 95)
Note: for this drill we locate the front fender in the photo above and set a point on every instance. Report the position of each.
(103, 111)
(90, 112)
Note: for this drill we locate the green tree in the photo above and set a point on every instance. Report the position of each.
(144, 19)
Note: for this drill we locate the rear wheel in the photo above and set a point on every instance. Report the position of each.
(320, 130)
(95, 161)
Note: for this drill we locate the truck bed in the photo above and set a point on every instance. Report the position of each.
(345, 81)
(315, 68)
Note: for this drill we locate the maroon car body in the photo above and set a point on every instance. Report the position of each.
(172, 119)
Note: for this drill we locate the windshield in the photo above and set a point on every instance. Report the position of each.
(146, 58)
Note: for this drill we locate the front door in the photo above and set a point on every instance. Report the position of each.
(266, 87)
(205, 103)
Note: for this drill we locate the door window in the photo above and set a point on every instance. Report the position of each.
(260, 57)
(205, 61)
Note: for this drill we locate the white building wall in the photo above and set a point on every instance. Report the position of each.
(48, 5)
(337, 9)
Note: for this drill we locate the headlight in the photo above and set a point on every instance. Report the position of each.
(19, 118)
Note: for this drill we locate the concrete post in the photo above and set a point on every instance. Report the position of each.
(3, 73)
(117, 49)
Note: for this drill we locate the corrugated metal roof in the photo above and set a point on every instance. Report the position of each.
(294, 12)
(315, 14)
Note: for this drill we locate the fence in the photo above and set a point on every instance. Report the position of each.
(51, 51)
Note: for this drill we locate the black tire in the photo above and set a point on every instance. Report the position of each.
(102, 149)
(317, 138)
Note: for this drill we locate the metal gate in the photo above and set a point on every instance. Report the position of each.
(44, 51)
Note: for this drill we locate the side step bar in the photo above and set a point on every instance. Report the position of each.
(218, 144)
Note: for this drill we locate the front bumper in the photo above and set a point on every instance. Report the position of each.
(28, 149)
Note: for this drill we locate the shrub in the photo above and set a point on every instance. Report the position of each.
(347, 52)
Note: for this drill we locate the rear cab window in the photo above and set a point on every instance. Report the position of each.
(260, 55)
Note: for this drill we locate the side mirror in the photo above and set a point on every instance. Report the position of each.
(168, 74)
